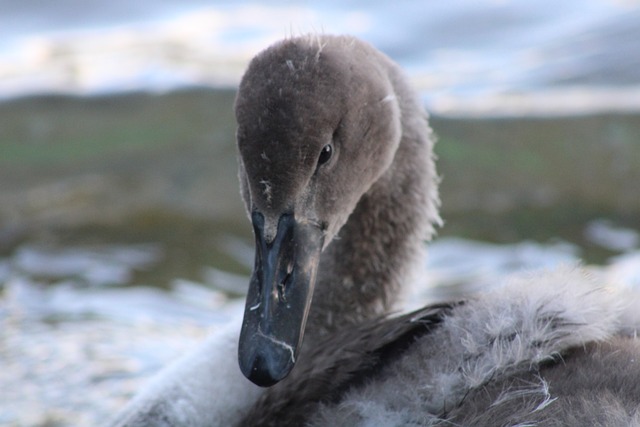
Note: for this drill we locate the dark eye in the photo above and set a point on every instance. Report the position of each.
(325, 154)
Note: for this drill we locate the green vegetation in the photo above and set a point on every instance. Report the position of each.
(161, 168)
(63, 131)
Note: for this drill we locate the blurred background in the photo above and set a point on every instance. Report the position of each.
(123, 241)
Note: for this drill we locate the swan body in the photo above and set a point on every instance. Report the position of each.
(338, 176)
(512, 356)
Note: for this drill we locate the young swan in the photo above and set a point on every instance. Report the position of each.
(337, 173)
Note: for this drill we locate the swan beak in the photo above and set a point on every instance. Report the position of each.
(278, 299)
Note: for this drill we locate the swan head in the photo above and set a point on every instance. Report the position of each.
(318, 124)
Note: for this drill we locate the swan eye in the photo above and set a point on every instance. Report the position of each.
(325, 154)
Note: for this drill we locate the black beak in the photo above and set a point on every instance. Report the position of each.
(279, 298)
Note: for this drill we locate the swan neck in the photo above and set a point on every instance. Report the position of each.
(364, 269)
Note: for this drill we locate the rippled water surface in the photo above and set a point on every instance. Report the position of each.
(80, 335)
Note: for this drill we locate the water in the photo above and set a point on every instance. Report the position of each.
(465, 56)
(74, 350)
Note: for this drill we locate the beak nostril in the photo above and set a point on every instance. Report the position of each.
(282, 287)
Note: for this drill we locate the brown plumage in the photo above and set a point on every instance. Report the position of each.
(379, 196)
(379, 199)
(547, 349)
